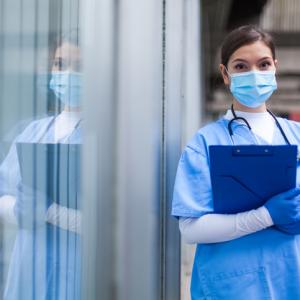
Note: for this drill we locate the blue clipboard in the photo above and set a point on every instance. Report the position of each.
(244, 177)
(52, 169)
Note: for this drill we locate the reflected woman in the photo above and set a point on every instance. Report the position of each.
(45, 263)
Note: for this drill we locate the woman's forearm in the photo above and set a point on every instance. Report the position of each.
(214, 228)
(64, 217)
(7, 204)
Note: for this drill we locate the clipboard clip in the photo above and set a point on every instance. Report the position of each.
(261, 151)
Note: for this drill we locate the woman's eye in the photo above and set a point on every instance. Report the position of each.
(240, 67)
(59, 64)
(265, 65)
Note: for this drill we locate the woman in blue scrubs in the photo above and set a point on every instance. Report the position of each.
(45, 262)
(253, 254)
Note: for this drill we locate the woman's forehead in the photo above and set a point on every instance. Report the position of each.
(68, 50)
(252, 52)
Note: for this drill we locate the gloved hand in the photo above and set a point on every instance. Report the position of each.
(31, 206)
(292, 228)
(284, 208)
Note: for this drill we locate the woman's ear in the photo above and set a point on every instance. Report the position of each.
(224, 74)
(276, 63)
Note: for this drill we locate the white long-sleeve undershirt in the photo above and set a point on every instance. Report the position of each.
(214, 228)
(65, 218)
(65, 124)
(57, 215)
(7, 204)
(262, 123)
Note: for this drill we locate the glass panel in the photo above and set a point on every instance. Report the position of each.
(40, 149)
(129, 132)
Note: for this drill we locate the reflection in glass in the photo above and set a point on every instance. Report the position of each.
(40, 189)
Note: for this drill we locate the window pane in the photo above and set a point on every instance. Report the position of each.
(40, 149)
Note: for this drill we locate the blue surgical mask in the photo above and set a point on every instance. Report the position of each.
(253, 88)
(67, 86)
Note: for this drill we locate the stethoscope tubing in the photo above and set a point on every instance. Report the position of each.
(235, 118)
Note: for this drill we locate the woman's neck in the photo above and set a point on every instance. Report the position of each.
(240, 107)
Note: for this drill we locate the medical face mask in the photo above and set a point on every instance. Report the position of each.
(67, 86)
(253, 88)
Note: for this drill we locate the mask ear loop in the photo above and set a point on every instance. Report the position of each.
(229, 77)
(227, 72)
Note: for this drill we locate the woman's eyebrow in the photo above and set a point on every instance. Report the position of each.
(266, 57)
(246, 61)
(240, 59)
(59, 58)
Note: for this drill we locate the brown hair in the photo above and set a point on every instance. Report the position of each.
(242, 36)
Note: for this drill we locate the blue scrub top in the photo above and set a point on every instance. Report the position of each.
(45, 262)
(261, 265)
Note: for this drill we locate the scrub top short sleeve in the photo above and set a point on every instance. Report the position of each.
(192, 191)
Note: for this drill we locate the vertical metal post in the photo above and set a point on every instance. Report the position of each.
(99, 144)
(139, 148)
(173, 129)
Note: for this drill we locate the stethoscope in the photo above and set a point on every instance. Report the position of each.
(235, 118)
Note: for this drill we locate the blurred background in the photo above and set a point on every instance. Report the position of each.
(150, 80)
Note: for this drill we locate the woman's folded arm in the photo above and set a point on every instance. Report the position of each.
(214, 228)
(64, 217)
